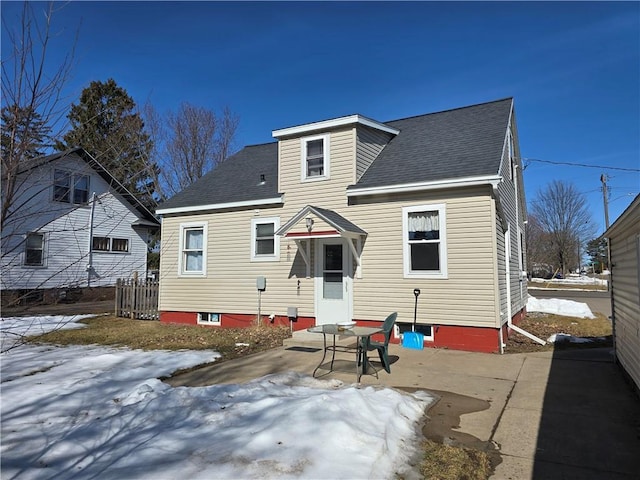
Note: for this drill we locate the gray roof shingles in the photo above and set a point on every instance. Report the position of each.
(459, 143)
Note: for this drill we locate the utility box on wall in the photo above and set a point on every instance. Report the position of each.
(261, 283)
(292, 313)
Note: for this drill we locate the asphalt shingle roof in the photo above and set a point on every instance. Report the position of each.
(465, 142)
(458, 143)
(237, 179)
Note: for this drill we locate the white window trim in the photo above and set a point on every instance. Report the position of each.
(276, 239)
(210, 315)
(441, 209)
(303, 158)
(181, 271)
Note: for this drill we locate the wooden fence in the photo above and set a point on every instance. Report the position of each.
(137, 298)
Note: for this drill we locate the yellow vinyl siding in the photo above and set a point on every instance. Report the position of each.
(328, 193)
(230, 283)
(369, 144)
(466, 297)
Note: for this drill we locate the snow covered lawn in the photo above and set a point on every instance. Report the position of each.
(97, 412)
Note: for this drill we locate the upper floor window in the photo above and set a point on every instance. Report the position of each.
(193, 255)
(70, 188)
(315, 157)
(34, 250)
(265, 244)
(424, 241)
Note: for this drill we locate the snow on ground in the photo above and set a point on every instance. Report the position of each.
(559, 306)
(571, 280)
(565, 337)
(97, 412)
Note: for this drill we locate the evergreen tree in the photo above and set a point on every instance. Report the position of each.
(105, 123)
(24, 133)
(597, 251)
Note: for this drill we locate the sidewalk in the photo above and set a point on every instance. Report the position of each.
(566, 414)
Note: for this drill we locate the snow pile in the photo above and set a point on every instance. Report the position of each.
(559, 306)
(96, 412)
(565, 337)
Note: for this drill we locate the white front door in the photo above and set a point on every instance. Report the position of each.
(333, 281)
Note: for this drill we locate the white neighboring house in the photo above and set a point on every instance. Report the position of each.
(73, 225)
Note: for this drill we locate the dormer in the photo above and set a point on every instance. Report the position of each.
(338, 149)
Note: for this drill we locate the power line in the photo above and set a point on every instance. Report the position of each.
(581, 165)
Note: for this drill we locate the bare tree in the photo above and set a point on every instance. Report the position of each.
(196, 140)
(565, 219)
(31, 95)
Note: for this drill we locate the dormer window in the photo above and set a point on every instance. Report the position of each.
(315, 158)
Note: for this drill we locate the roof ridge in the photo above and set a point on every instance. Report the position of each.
(449, 110)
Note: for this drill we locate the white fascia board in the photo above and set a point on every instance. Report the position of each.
(335, 122)
(220, 206)
(492, 180)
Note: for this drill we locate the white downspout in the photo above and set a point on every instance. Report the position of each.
(90, 246)
(507, 248)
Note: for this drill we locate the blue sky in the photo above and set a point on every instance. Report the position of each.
(572, 67)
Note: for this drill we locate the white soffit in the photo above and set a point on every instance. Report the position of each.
(335, 122)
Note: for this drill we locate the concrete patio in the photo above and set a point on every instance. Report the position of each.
(563, 414)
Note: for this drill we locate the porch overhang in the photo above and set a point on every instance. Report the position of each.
(315, 222)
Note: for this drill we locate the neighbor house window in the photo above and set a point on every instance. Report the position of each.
(101, 244)
(193, 239)
(424, 241)
(107, 244)
(265, 244)
(315, 157)
(34, 250)
(61, 186)
(120, 245)
(69, 188)
(205, 318)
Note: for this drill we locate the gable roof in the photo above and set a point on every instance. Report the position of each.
(149, 219)
(456, 144)
(334, 219)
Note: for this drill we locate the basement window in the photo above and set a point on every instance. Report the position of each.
(207, 318)
(401, 328)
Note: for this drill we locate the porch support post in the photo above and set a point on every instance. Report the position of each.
(306, 254)
(356, 255)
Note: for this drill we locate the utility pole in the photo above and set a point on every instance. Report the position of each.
(603, 179)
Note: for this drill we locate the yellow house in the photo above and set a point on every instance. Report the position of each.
(343, 219)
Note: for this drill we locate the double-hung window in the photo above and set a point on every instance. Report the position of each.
(265, 244)
(70, 188)
(315, 158)
(193, 254)
(34, 250)
(424, 241)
